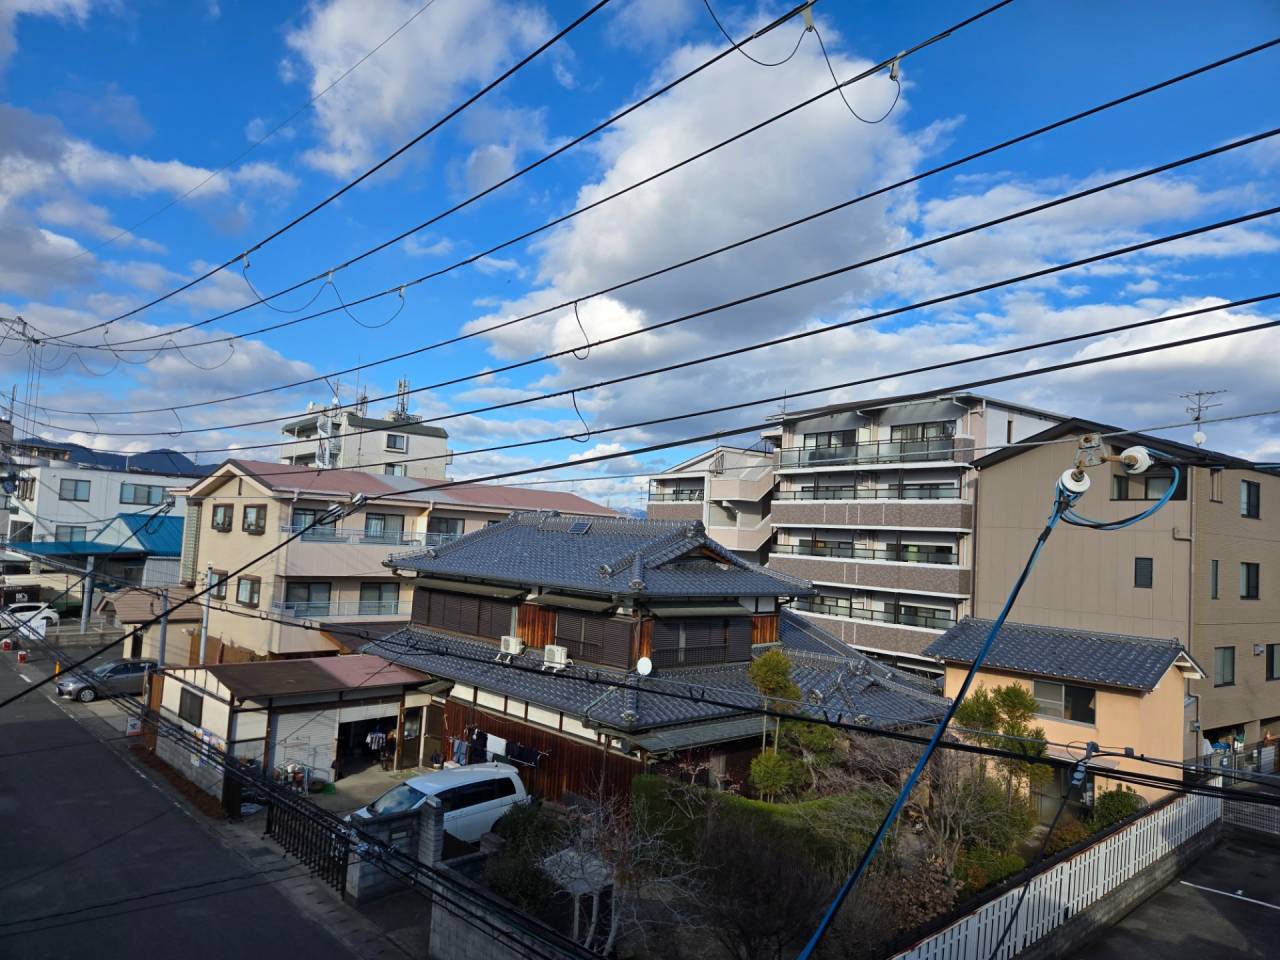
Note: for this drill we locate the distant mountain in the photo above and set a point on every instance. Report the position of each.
(637, 512)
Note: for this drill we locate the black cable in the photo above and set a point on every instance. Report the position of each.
(857, 116)
(352, 184)
(602, 200)
(739, 46)
(810, 217)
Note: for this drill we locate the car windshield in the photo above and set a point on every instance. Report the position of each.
(396, 800)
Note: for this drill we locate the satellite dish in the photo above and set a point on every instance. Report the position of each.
(644, 666)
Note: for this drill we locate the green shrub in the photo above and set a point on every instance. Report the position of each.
(1112, 806)
(514, 871)
(980, 868)
(1067, 833)
(776, 775)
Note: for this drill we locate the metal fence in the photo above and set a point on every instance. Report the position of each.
(1059, 893)
(1252, 816)
(315, 844)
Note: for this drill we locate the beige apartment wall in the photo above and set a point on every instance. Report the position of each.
(1083, 578)
(1222, 534)
(1151, 723)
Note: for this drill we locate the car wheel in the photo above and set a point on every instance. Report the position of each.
(87, 695)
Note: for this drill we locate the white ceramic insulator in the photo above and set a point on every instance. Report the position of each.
(1073, 483)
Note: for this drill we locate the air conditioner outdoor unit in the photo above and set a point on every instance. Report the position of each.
(512, 646)
(555, 657)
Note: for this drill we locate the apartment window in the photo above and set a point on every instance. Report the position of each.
(922, 431)
(1120, 486)
(448, 526)
(254, 520)
(1249, 581)
(1142, 570)
(307, 599)
(1155, 487)
(1224, 666)
(397, 442)
(377, 599)
(1008, 430)
(222, 516)
(191, 706)
(65, 532)
(1250, 499)
(1213, 579)
(384, 527)
(26, 488)
(1273, 661)
(1065, 701)
(492, 523)
(248, 591)
(1215, 486)
(144, 494)
(77, 490)
(393, 469)
(219, 582)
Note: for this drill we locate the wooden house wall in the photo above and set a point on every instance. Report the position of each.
(571, 766)
(536, 625)
(764, 628)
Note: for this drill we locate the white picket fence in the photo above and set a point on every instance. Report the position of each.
(1059, 893)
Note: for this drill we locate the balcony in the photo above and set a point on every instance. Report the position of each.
(675, 496)
(850, 551)
(397, 538)
(897, 617)
(880, 451)
(936, 491)
(335, 609)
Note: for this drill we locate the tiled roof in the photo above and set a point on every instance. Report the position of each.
(524, 498)
(612, 555)
(849, 685)
(1111, 659)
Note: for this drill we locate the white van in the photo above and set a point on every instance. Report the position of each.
(473, 797)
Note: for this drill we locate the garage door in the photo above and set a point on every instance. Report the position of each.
(306, 739)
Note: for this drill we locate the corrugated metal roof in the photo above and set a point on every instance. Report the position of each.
(158, 536)
(282, 678)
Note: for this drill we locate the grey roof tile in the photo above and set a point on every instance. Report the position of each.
(615, 556)
(1111, 659)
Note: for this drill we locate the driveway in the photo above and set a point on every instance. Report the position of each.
(1225, 907)
(96, 860)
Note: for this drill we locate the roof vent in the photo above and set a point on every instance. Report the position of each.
(580, 526)
(815, 696)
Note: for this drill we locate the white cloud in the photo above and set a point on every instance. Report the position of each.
(11, 10)
(436, 60)
(424, 246)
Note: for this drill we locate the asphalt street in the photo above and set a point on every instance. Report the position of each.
(1226, 905)
(97, 860)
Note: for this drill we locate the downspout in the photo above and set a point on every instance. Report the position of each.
(1189, 539)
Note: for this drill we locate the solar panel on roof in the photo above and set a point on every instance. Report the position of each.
(580, 526)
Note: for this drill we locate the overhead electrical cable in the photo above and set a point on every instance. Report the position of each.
(352, 184)
(652, 274)
(559, 220)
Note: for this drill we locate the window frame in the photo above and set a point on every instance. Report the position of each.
(1250, 577)
(1250, 499)
(256, 584)
(394, 470)
(218, 584)
(256, 529)
(227, 510)
(187, 697)
(1215, 485)
(75, 489)
(59, 527)
(1150, 566)
(147, 501)
(1217, 674)
(1065, 701)
(1213, 579)
(1272, 655)
(1119, 484)
(403, 439)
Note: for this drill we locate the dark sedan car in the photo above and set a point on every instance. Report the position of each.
(115, 678)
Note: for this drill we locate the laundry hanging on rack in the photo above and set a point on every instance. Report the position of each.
(497, 746)
(375, 740)
(460, 750)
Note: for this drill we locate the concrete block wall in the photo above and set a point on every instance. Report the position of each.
(366, 879)
(206, 776)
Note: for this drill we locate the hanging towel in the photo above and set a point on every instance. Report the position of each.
(497, 746)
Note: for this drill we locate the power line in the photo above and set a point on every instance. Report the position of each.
(350, 185)
(569, 303)
(740, 46)
(783, 288)
(256, 143)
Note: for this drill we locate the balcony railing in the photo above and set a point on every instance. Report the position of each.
(331, 609)
(899, 617)
(881, 451)
(676, 495)
(851, 551)
(395, 538)
(918, 492)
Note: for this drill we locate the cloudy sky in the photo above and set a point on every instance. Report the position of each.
(115, 116)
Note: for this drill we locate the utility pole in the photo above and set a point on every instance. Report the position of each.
(204, 618)
(1197, 408)
(164, 625)
(88, 597)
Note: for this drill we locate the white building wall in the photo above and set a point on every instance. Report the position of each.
(46, 510)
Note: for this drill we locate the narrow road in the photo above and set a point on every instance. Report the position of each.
(97, 861)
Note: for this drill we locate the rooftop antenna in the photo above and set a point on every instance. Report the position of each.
(1197, 407)
(401, 412)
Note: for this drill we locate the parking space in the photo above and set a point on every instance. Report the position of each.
(1227, 905)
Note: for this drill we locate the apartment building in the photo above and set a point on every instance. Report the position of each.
(874, 504)
(334, 574)
(728, 489)
(1204, 570)
(333, 438)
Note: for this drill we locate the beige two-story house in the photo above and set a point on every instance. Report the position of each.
(313, 594)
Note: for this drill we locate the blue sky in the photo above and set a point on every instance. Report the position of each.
(111, 110)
